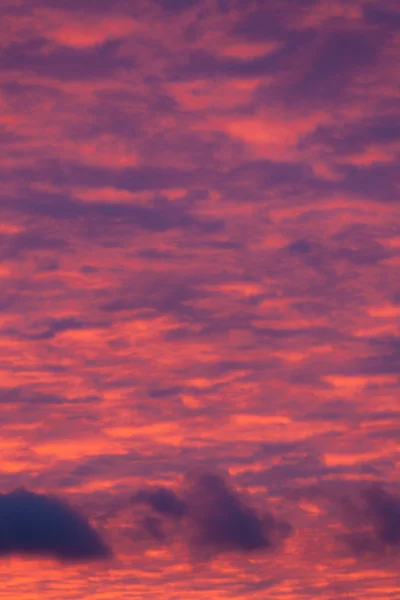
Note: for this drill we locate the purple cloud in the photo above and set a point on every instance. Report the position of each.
(39, 525)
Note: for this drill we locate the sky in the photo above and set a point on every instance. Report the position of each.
(200, 301)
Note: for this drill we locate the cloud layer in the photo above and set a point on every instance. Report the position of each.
(199, 256)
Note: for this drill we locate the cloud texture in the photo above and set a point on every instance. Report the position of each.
(199, 257)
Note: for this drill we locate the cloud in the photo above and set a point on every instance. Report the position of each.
(259, 25)
(46, 329)
(356, 136)
(38, 525)
(384, 510)
(28, 396)
(133, 179)
(176, 6)
(224, 522)
(160, 217)
(91, 6)
(160, 292)
(342, 54)
(63, 63)
(378, 182)
(201, 64)
(13, 246)
(163, 501)
(154, 528)
(213, 518)
(377, 15)
(374, 520)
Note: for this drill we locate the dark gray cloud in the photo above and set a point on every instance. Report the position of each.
(165, 392)
(378, 14)
(91, 6)
(46, 329)
(13, 246)
(373, 519)
(355, 136)
(343, 52)
(269, 22)
(28, 396)
(384, 510)
(162, 292)
(40, 57)
(154, 527)
(355, 244)
(39, 525)
(269, 173)
(213, 517)
(202, 64)
(325, 65)
(379, 182)
(132, 179)
(380, 364)
(177, 6)
(224, 522)
(163, 215)
(163, 501)
(385, 357)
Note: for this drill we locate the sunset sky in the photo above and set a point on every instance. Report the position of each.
(200, 299)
